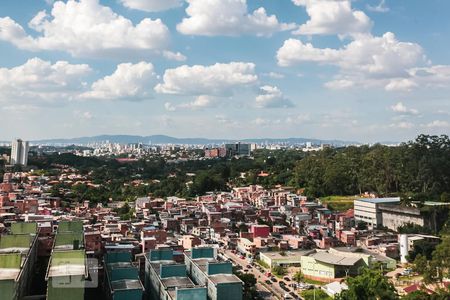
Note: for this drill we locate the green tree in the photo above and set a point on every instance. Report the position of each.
(249, 280)
(279, 270)
(316, 294)
(298, 277)
(370, 285)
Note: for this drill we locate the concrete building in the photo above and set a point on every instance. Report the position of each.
(166, 279)
(66, 275)
(431, 216)
(204, 269)
(67, 269)
(325, 266)
(237, 149)
(368, 210)
(18, 255)
(122, 277)
(288, 258)
(19, 152)
(341, 262)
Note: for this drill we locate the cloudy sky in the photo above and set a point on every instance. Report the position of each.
(366, 70)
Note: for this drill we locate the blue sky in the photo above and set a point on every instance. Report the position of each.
(368, 70)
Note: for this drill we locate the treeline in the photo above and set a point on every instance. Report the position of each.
(420, 169)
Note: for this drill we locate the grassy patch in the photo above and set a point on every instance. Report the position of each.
(262, 264)
(310, 281)
(338, 203)
(315, 294)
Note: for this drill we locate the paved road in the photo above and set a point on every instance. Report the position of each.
(262, 287)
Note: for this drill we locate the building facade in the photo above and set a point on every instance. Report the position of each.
(19, 152)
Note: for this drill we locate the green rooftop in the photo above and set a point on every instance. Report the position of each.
(68, 238)
(68, 256)
(15, 241)
(72, 226)
(24, 228)
(66, 275)
(10, 261)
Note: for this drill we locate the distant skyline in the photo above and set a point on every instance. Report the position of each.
(367, 71)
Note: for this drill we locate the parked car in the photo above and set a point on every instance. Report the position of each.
(286, 278)
(268, 282)
(273, 279)
(406, 272)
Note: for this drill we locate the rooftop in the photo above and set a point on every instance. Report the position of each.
(179, 282)
(287, 254)
(333, 259)
(380, 200)
(224, 278)
(10, 265)
(126, 284)
(67, 263)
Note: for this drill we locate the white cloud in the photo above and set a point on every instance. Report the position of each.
(129, 82)
(299, 119)
(438, 124)
(177, 56)
(367, 60)
(85, 28)
(401, 108)
(41, 80)
(272, 97)
(381, 7)
(200, 102)
(402, 125)
(339, 84)
(400, 84)
(83, 115)
(152, 5)
(333, 17)
(274, 75)
(218, 79)
(169, 106)
(228, 18)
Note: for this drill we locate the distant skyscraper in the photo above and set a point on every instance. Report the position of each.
(19, 152)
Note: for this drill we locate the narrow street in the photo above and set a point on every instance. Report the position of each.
(276, 292)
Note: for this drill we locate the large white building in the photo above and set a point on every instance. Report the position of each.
(367, 210)
(19, 152)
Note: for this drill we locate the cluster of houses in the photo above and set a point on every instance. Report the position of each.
(169, 248)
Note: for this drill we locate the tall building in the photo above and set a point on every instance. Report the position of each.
(19, 152)
(238, 149)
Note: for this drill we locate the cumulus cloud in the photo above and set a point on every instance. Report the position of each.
(402, 109)
(333, 17)
(85, 28)
(380, 8)
(402, 125)
(216, 80)
(228, 18)
(438, 124)
(177, 56)
(152, 5)
(274, 75)
(83, 115)
(272, 97)
(128, 82)
(367, 60)
(200, 102)
(41, 80)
